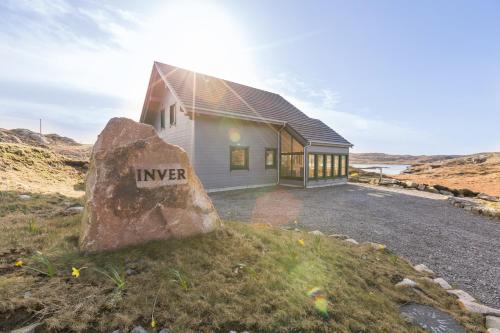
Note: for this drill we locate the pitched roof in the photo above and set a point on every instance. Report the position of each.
(207, 93)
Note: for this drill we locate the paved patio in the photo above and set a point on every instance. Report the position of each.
(459, 246)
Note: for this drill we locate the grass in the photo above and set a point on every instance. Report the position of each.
(241, 277)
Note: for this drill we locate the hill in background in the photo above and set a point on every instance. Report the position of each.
(30, 162)
(374, 158)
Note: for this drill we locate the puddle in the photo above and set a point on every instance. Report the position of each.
(431, 319)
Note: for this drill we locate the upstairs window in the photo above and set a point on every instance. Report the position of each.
(162, 118)
(270, 157)
(172, 115)
(238, 158)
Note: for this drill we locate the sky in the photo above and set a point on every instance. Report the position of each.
(400, 77)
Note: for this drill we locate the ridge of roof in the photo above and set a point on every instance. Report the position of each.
(215, 77)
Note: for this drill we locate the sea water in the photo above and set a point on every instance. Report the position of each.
(388, 169)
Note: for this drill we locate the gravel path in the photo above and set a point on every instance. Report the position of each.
(459, 246)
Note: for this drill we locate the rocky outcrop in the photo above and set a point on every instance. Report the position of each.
(140, 188)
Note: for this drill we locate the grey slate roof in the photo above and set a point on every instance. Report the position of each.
(203, 92)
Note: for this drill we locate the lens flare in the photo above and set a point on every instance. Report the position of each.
(234, 135)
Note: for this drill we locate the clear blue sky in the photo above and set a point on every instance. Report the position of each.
(419, 77)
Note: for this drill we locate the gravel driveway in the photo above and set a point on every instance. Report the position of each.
(461, 247)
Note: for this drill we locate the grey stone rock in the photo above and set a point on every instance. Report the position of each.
(27, 329)
(442, 282)
(423, 269)
(24, 196)
(117, 331)
(493, 322)
(421, 187)
(431, 189)
(139, 329)
(75, 209)
(462, 295)
(448, 193)
(352, 241)
(376, 246)
(406, 283)
(164, 330)
(484, 196)
(411, 184)
(316, 233)
(478, 308)
(339, 236)
(493, 330)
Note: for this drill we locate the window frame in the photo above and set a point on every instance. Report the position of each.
(333, 167)
(162, 118)
(293, 143)
(274, 152)
(173, 115)
(247, 158)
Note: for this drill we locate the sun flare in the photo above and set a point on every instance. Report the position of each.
(202, 37)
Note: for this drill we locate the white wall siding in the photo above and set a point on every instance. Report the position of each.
(328, 150)
(180, 134)
(211, 150)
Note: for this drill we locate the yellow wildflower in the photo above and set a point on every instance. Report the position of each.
(75, 272)
(19, 263)
(301, 242)
(153, 323)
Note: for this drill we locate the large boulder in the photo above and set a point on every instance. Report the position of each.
(140, 188)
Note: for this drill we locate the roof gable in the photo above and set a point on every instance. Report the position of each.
(203, 92)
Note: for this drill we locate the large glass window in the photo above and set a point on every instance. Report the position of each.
(320, 166)
(292, 157)
(343, 165)
(238, 158)
(328, 166)
(335, 165)
(312, 166)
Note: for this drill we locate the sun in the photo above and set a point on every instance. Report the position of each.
(203, 37)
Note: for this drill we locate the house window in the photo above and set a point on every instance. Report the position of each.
(172, 115)
(343, 165)
(238, 159)
(335, 165)
(328, 166)
(162, 118)
(270, 158)
(292, 157)
(312, 166)
(320, 166)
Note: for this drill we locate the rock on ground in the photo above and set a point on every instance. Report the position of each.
(406, 283)
(442, 282)
(423, 269)
(124, 207)
(493, 322)
(27, 329)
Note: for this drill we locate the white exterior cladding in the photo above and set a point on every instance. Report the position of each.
(212, 147)
(206, 139)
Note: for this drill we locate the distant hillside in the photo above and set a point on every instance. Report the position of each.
(477, 172)
(373, 158)
(48, 163)
(59, 144)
